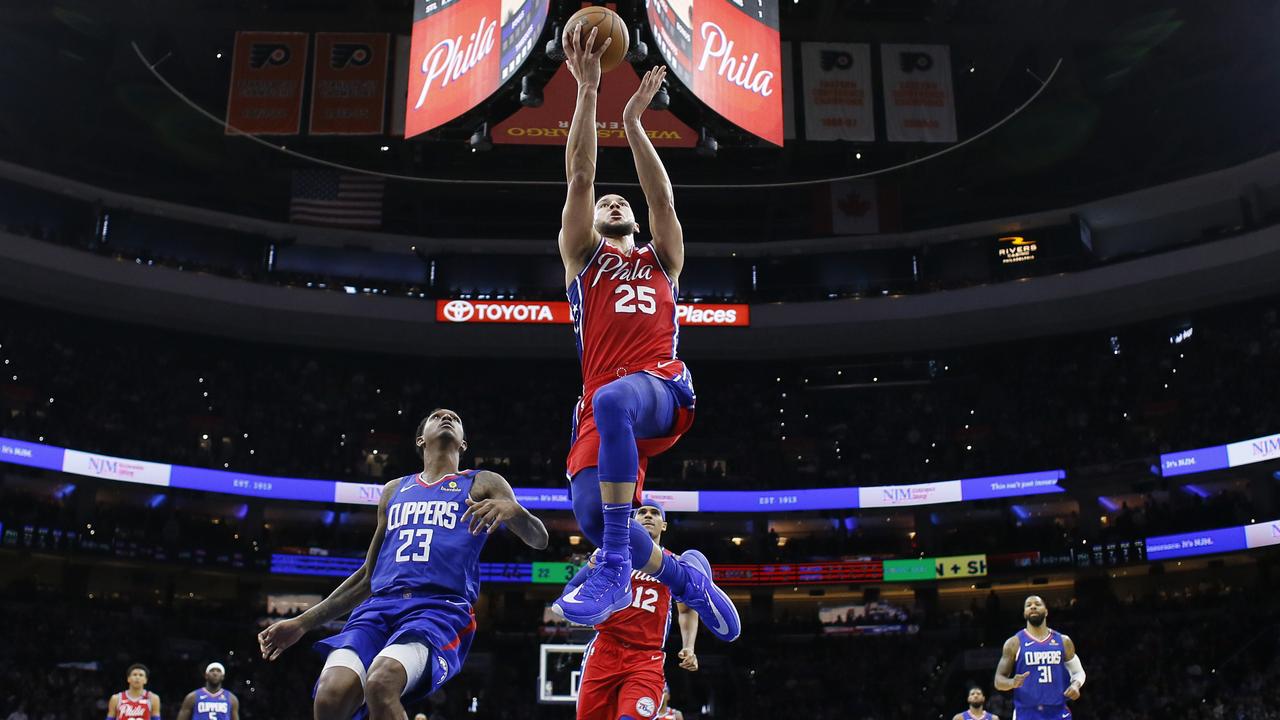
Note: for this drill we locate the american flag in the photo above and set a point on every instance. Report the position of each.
(330, 197)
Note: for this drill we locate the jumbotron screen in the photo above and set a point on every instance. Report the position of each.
(464, 50)
(729, 54)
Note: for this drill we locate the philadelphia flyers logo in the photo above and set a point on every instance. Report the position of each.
(350, 55)
(268, 54)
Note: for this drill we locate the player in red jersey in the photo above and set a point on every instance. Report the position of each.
(622, 669)
(137, 701)
(637, 396)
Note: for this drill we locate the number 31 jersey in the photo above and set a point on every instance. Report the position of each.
(624, 316)
(1047, 680)
(427, 547)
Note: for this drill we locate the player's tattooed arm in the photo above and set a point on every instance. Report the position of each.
(492, 503)
(354, 590)
(577, 229)
(1005, 679)
(668, 236)
(688, 621)
(188, 706)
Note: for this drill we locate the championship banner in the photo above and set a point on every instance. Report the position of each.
(728, 52)
(462, 51)
(349, 84)
(838, 104)
(557, 313)
(549, 124)
(919, 105)
(267, 72)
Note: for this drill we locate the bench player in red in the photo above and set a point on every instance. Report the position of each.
(622, 669)
(637, 396)
(137, 701)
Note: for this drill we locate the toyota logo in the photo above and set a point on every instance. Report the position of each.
(459, 311)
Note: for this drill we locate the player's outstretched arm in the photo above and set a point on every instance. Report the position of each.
(688, 621)
(188, 706)
(492, 502)
(668, 236)
(578, 237)
(354, 590)
(1005, 679)
(1074, 666)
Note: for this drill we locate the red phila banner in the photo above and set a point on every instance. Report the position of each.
(729, 53)
(462, 51)
(549, 124)
(557, 313)
(349, 84)
(267, 72)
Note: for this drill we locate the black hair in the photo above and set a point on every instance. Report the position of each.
(138, 666)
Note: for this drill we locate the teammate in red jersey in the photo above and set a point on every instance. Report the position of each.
(637, 396)
(622, 669)
(137, 701)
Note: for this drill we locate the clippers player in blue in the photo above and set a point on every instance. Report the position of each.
(977, 707)
(637, 395)
(411, 621)
(1041, 667)
(211, 702)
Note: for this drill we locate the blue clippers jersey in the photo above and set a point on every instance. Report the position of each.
(212, 707)
(427, 545)
(1048, 678)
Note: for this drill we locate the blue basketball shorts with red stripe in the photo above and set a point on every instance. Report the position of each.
(444, 623)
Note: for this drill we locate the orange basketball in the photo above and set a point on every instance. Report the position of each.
(611, 26)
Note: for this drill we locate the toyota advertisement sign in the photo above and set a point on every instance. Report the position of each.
(526, 312)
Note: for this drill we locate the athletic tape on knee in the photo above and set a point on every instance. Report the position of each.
(412, 656)
(346, 658)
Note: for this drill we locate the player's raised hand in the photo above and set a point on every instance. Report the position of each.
(1020, 678)
(688, 660)
(278, 637)
(649, 86)
(486, 515)
(1072, 692)
(582, 55)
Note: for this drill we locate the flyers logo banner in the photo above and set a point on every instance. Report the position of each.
(460, 53)
(267, 72)
(557, 313)
(349, 84)
(729, 53)
(838, 104)
(549, 124)
(919, 105)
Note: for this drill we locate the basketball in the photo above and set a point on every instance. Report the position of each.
(611, 26)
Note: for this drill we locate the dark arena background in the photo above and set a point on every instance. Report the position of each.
(981, 299)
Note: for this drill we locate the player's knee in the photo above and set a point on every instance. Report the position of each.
(612, 405)
(384, 686)
(338, 695)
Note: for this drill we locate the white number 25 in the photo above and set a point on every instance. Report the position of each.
(635, 298)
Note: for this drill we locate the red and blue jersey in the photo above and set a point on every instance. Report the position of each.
(1048, 680)
(427, 546)
(129, 707)
(644, 623)
(623, 307)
